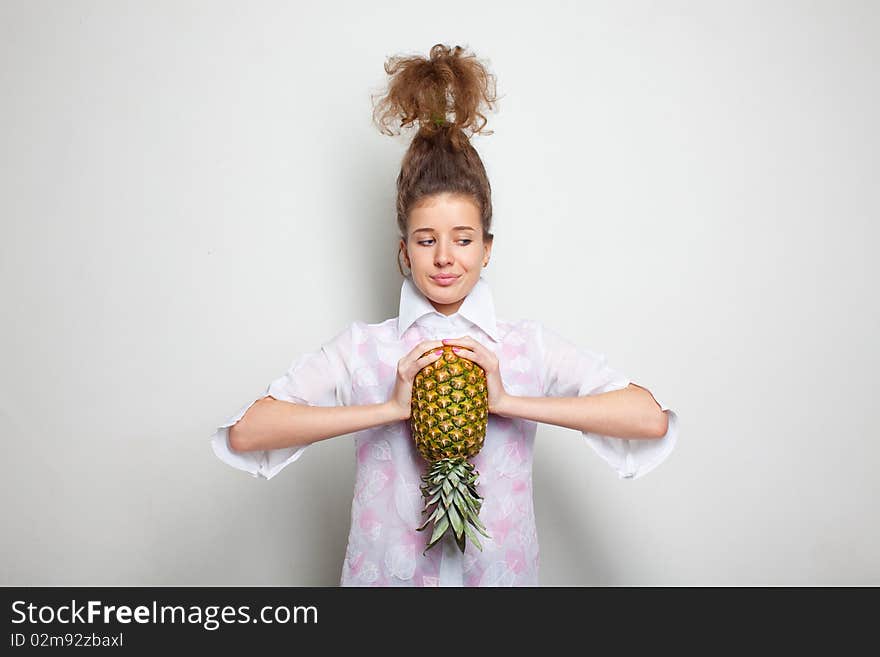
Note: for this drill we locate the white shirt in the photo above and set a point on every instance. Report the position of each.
(358, 366)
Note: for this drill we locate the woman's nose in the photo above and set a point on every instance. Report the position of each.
(442, 256)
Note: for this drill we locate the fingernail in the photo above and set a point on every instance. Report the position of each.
(456, 349)
(438, 351)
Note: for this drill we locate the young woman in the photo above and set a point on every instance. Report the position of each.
(360, 381)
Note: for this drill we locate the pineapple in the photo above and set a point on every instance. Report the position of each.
(449, 413)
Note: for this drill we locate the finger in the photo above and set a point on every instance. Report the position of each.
(415, 365)
(429, 345)
(465, 340)
(470, 353)
(421, 363)
(476, 352)
(422, 347)
(431, 355)
(474, 357)
(468, 344)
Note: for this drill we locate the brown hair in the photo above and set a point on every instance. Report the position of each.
(440, 157)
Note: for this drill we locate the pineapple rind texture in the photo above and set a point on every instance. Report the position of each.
(448, 418)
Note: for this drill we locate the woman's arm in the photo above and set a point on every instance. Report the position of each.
(271, 423)
(628, 413)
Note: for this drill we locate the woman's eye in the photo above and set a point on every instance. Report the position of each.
(426, 242)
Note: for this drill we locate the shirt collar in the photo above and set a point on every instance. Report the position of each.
(477, 308)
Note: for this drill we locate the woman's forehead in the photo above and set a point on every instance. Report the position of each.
(444, 220)
(431, 229)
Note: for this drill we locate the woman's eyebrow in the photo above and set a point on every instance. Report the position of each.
(431, 230)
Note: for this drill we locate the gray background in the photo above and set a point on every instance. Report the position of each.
(193, 194)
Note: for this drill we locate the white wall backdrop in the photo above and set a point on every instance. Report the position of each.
(690, 188)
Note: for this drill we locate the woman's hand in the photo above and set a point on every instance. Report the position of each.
(486, 359)
(407, 368)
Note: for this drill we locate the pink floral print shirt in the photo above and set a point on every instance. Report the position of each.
(358, 366)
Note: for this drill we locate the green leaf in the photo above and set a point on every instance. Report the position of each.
(439, 529)
(484, 532)
(429, 519)
(472, 508)
(477, 522)
(438, 512)
(456, 521)
(480, 528)
(461, 504)
(472, 536)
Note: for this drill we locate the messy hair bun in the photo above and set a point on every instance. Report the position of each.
(444, 95)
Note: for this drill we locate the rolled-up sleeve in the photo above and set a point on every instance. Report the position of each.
(317, 378)
(569, 371)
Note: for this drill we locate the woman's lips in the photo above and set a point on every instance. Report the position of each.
(444, 280)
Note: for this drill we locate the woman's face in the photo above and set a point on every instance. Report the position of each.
(445, 238)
